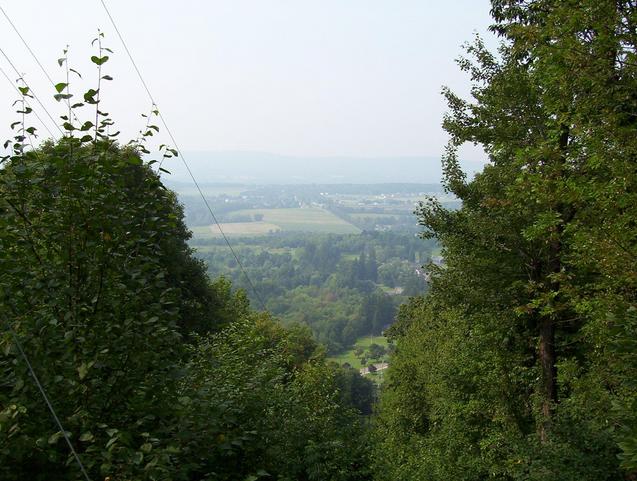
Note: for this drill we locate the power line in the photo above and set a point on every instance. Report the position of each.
(10, 328)
(47, 401)
(46, 74)
(36, 114)
(26, 45)
(30, 89)
(16, 340)
(172, 138)
(110, 17)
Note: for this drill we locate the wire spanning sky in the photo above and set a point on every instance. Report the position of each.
(316, 78)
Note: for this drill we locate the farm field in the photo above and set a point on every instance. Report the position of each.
(234, 229)
(305, 219)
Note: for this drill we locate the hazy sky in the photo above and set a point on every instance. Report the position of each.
(293, 77)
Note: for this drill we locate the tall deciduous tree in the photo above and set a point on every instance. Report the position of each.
(510, 365)
(85, 231)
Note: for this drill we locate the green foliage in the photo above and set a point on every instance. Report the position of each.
(355, 390)
(519, 362)
(624, 349)
(84, 233)
(155, 372)
(376, 351)
(342, 286)
(359, 352)
(258, 404)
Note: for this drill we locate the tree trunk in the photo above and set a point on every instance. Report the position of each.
(547, 354)
(549, 374)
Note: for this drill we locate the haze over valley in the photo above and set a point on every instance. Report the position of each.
(268, 168)
(318, 240)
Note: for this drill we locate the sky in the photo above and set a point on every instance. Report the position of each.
(304, 79)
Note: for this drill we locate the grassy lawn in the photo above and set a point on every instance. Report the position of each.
(377, 377)
(392, 291)
(349, 356)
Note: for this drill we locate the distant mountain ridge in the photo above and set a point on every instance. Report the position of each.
(185, 187)
(267, 168)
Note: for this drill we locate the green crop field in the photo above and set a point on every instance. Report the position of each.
(306, 219)
(234, 229)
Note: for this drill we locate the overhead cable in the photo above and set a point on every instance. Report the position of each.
(31, 91)
(35, 57)
(48, 402)
(183, 159)
(27, 103)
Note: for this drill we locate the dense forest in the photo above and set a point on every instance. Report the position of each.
(123, 356)
(341, 286)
